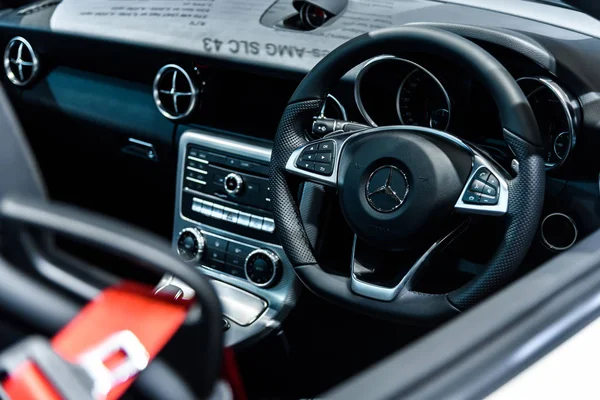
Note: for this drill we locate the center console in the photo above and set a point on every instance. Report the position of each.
(224, 227)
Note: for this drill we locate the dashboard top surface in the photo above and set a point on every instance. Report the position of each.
(246, 31)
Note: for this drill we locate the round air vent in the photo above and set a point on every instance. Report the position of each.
(174, 92)
(20, 61)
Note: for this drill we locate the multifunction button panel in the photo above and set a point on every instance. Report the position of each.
(216, 211)
(229, 178)
(483, 189)
(260, 266)
(318, 158)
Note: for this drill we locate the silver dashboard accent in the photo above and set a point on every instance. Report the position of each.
(547, 242)
(479, 161)
(275, 261)
(382, 293)
(239, 182)
(437, 81)
(387, 189)
(279, 298)
(16, 65)
(199, 239)
(241, 307)
(227, 143)
(569, 105)
(380, 59)
(174, 93)
(495, 210)
(322, 113)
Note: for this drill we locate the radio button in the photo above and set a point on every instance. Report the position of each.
(230, 215)
(243, 219)
(326, 146)
(268, 225)
(235, 271)
(219, 179)
(206, 208)
(256, 222)
(236, 261)
(217, 211)
(215, 255)
(238, 250)
(246, 164)
(233, 162)
(215, 243)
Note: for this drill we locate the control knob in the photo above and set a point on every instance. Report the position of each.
(263, 267)
(233, 183)
(190, 245)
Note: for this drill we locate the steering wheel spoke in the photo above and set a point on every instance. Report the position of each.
(486, 191)
(406, 283)
(318, 160)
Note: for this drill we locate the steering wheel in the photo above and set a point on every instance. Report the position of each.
(45, 288)
(397, 184)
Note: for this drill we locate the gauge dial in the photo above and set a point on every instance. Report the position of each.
(423, 101)
(555, 120)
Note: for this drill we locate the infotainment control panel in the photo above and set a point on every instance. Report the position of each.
(223, 220)
(227, 190)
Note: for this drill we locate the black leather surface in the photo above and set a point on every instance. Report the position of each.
(515, 113)
(290, 135)
(525, 191)
(19, 173)
(525, 202)
(148, 251)
(410, 307)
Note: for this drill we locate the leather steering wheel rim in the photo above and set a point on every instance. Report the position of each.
(525, 195)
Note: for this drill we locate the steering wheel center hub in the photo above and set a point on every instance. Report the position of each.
(387, 188)
(394, 184)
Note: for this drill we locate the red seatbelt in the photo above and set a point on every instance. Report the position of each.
(128, 311)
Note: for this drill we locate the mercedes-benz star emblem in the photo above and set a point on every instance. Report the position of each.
(387, 188)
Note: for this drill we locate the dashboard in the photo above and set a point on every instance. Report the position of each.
(182, 136)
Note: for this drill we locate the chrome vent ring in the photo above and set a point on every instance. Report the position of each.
(21, 63)
(174, 91)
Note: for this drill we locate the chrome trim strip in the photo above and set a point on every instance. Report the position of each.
(496, 210)
(377, 60)
(382, 293)
(193, 93)
(569, 105)
(547, 243)
(197, 159)
(227, 143)
(338, 103)
(195, 180)
(200, 171)
(281, 297)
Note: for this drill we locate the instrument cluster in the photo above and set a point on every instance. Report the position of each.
(390, 90)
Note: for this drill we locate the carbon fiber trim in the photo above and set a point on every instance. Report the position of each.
(525, 202)
(290, 135)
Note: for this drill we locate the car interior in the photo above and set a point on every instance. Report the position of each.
(348, 195)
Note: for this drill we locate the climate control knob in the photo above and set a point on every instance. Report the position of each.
(233, 183)
(263, 267)
(190, 245)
